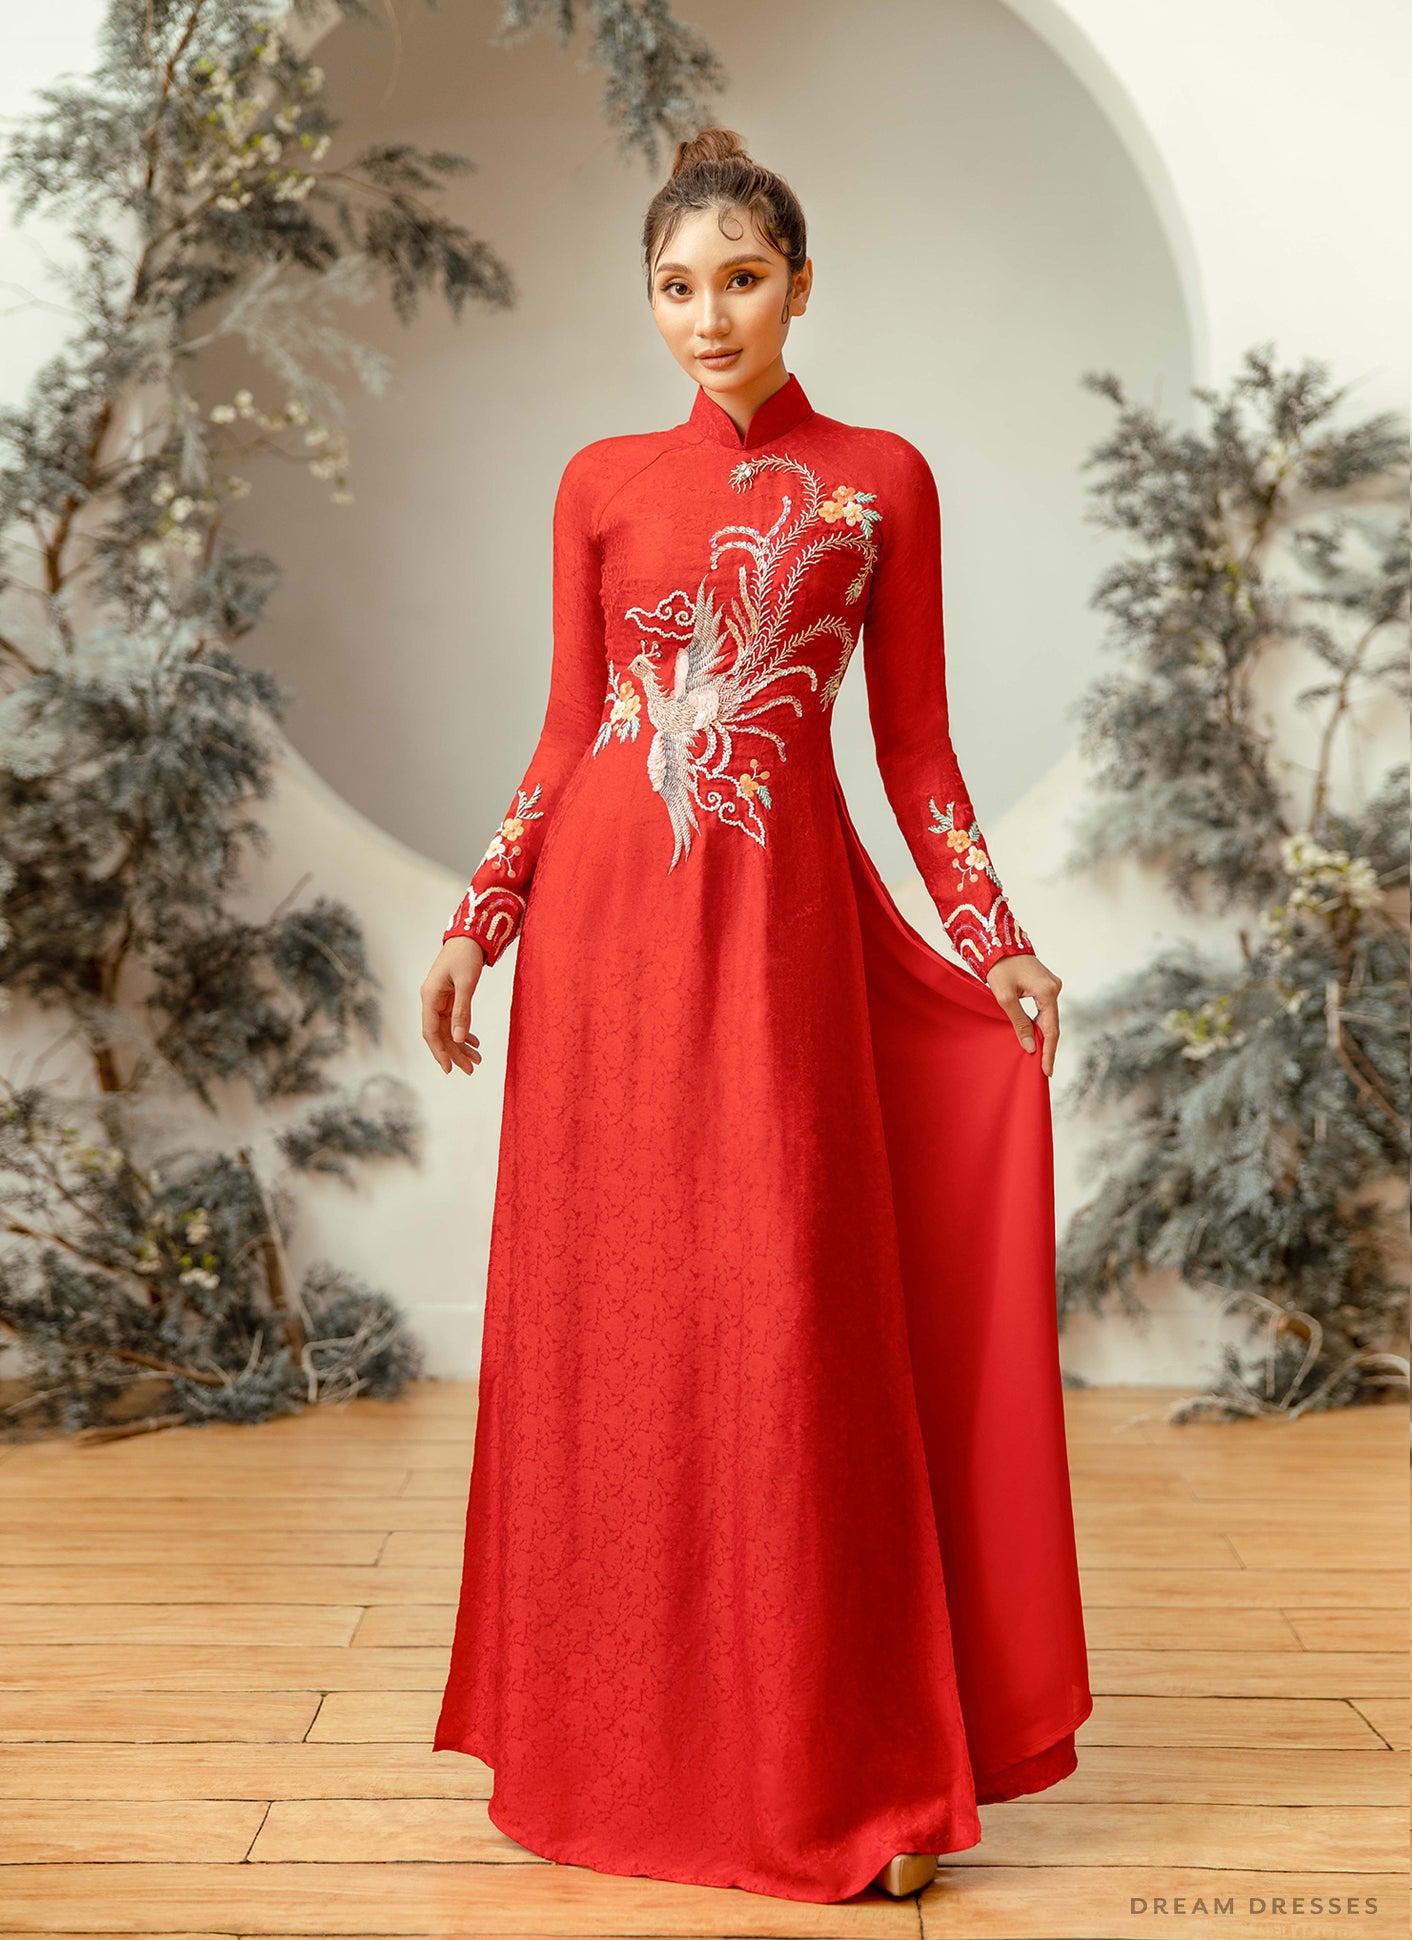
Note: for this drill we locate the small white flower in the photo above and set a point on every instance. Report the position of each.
(182, 508)
(313, 80)
(199, 1276)
(244, 403)
(343, 496)
(149, 554)
(164, 493)
(296, 412)
(316, 435)
(271, 147)
(237, 487)
(223, 414)
(321, 148)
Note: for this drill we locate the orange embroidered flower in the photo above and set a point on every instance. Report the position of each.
(853, 507)
(842, 503)
(752, 783)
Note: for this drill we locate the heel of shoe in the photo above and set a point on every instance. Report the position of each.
(908, 1873)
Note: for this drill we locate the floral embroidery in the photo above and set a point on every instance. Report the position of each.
(977, 932)
(732, 659)
(846, 502)
(753, 783)
(626, 716)
(970, 857)
(505, 843)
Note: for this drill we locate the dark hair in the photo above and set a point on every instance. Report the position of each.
(713, 171)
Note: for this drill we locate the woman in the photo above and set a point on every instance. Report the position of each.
(769, 1568)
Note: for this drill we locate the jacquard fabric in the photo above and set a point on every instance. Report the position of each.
(769, 1566)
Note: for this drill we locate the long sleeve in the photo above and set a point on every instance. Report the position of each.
(493, 907)
(904, 663)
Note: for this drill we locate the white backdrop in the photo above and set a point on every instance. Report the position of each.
(1048, 188)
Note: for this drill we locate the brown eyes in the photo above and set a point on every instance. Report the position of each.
(750, 276)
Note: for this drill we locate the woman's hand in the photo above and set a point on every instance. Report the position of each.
(446, 1004)
(1015, 977)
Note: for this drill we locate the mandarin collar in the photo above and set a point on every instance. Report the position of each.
(782, 411)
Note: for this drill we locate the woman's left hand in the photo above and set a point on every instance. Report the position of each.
(1015, 977)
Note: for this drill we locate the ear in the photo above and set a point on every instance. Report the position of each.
(803, 283)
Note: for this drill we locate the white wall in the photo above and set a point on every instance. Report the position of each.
(1222, 174)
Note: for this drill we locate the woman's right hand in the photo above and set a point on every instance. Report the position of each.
(446, 1004)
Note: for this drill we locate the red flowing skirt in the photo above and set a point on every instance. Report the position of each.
(769, 1566)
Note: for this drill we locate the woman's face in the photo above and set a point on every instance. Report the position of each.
(722, 300)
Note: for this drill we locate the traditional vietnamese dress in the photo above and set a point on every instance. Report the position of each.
(769, 1560)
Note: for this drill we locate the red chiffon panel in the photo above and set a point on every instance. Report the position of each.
(970, 1148)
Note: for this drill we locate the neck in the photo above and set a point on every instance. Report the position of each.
(741, 404)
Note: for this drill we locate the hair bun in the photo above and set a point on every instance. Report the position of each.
(710, 145)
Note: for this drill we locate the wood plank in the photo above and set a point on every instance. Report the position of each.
(1139, 1626)
(237, 1479)
(425, 1624)
(298, 1769)
(184, 1623)
(1155, 1775)
(259, 1666)
(1241, 1589)
(1387, 1716)
(299, 1511)
(520, 1898)
(393, 1717)
(1355, 1629)
(233, 1582)
(152, 1718)
(1249, 1673)
(184, 1832)
(1321, 1551)
(93, 1549)
(1321, 1724)
(397, 1830)
(1233, 1838)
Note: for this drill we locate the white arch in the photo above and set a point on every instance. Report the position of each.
(1055, 24)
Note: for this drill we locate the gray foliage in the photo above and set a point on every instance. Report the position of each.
(1259, 1101)
(137, 743)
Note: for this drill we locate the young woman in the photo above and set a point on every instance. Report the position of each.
(769, 1568)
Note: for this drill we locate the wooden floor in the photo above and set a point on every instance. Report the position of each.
(222, 1652)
